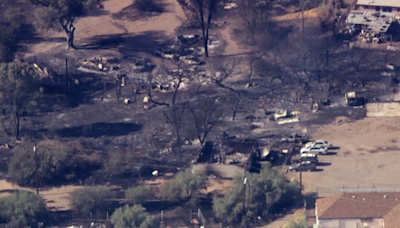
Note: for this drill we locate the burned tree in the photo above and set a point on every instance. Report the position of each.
(253, 13)
(49, 13)
(201, 11)
(222, 68)
(175, 116)
(19, 90)
(206, 115)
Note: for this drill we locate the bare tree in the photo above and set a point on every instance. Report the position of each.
(254, 13)
(175, 116)
(206, 114)
(203, 12)
(222, 68)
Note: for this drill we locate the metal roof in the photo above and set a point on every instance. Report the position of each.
(378, 22)
(387, 3)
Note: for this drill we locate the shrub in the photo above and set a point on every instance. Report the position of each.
(22, 209)
(97, 200)
(132, 217)
(139, 194)
(184, 186)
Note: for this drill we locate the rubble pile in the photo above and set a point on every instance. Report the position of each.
(115, 65)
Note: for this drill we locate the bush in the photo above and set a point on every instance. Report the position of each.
(139, 194)
(270, 191)
(132, 217)
(148, 6)
(22, 209)
(53, 160)
(184, 186)
(96, 200)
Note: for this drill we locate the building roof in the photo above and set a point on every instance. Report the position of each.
(357, 205)
(389, 3)
(378, 22)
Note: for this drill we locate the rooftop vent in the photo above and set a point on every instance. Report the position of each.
(353, 197)
(364, 199)
(385, 196)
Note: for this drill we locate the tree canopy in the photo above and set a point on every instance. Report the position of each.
(22, 209)
(19, 90)
(184, 186)
(96, 200)
(53, 158)
(266, 193)
(132, 217)
(61, 13)
(138, 194)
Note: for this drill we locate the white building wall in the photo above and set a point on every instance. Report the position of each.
(350, 223)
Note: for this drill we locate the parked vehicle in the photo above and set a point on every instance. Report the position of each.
(321, 143)
(314, 149)
(311, 157)
(353, 100)
(303, 166)
(295, 138)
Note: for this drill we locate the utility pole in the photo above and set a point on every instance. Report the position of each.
(66, 79)
(302, 12)
(301, 181)
(244, 194)
(36, 168)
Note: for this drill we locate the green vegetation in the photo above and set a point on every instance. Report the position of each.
(96, 200)
(139, 194)
(266, 193)
(53, 158)
(184, 186)
(19, 90)
(297, 224)
(132, 217)
(22, 209)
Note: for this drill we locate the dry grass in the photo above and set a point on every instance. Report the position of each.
(312, 13)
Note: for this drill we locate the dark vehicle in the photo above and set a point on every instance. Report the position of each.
(353, 100)
(304, 166)
(305, 157)
(295, 138)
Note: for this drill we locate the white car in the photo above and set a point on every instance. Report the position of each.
(321, 143)
(314, 150)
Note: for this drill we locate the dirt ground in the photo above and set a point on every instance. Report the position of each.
(367, 158)
(57, 198)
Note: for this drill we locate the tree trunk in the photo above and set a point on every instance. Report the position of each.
(70, 38)
(17, 125)
(205, 38)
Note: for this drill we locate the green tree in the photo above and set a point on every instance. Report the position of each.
(53, 158)
(297, 224)
(22, 209)
(97, 200)
(132, 217)
(139, 194)
(266, 193)
(51, 13)
(184, 186)
(19, 90)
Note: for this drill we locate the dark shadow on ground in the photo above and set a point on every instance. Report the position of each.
(131, 12)
(128, 43)
(331, 153)
(334, 148)
(99, 129)
(324, 163)
(98, 12)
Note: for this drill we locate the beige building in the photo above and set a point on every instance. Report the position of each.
(379, 5)
(359, 210)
